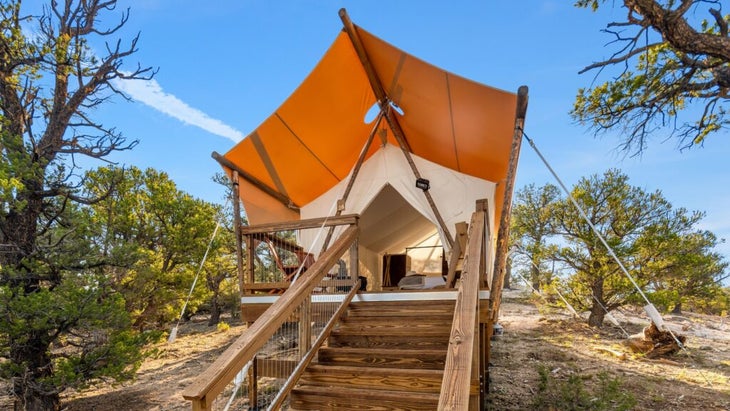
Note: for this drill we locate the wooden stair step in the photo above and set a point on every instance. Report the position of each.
(398, 319)
(411, 303)
(445, 318)
(376, 357)
(405, 341)
(406, 308)
(393, 331)
(324, 398)
(411, 380)
(394, 327)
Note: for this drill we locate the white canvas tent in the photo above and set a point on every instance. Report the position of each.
(394, 212)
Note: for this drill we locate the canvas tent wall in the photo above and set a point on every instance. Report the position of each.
(394, 227)
(294, 163)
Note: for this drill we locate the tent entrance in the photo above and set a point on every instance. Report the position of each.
(393, 231)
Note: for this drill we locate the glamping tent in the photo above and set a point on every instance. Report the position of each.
(385, 153)
(394, 212)
(327, 142)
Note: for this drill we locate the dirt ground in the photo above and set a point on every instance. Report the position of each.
(698, 379)
(532, 338)
(164, 375)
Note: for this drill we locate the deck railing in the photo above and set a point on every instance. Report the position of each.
(274, 255)
(465, 365)
(247, 375)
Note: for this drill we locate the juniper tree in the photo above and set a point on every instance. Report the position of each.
(50, 82)
(669, 69)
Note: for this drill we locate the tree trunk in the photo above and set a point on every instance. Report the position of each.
(31, 355)
(597, 315)
(677, 310)
(31, 394)
(535, 276)
(20, 231)
(597, 308)
(508, 276)
(215, 311)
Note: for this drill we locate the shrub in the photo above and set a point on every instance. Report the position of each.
(572, 394)
(223, 327)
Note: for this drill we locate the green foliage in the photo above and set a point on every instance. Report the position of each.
(223, 327)
(572, 394)
(666, 65)
(658, 244)
(531, 229)
(154, 237)
(622, 214)
(63, 321)
(593, 4)
(84, 324)
(717, 302)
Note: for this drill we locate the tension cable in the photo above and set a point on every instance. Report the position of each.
(650, 309)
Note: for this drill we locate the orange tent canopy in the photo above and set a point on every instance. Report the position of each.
(313, 140)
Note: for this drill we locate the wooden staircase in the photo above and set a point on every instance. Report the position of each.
(381, 356)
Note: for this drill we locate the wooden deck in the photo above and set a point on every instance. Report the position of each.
(252, 306)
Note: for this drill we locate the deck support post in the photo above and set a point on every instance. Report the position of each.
(237, 230)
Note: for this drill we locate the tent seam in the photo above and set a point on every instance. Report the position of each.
(306, 146)
(451, 118)
(270, 168)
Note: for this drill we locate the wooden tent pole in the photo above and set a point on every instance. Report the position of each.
(403, 143)
(383, 102)
(255, 181)
(237, 230)
(500, 258)
(364, 59)
(353, 177)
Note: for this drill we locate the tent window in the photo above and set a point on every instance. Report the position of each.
(397, 109)
(372, 113)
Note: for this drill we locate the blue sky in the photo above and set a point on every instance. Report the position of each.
(225, 65)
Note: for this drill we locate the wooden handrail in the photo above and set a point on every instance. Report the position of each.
(347, 219)
(214, 379)
(464, 340)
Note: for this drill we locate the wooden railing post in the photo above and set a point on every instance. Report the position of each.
(253, 384)
(251, 257)
(305, 327)
(354, 261)
(237, 230)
